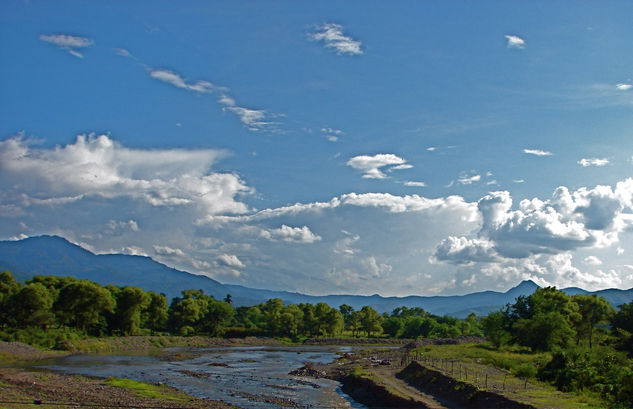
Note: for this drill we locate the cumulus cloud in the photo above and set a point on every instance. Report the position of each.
(332, 35)
(291, 234)
(537, 152)
(230, 260)
(97, 166)
(371, 165)
(177, 80)
(67, 42)
(168, 251)
(592, 261)
(624, 87)
(461, 250)
(119, 227)
(585, 162)
(568, 221)
(515, 42)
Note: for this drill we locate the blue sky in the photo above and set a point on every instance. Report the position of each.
(332, 147)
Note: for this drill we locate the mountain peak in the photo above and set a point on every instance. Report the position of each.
(525, 287)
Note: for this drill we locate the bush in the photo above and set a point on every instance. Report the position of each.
(525, 370)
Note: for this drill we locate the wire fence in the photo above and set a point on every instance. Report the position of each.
(483, 377)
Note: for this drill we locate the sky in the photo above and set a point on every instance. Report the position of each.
(357, 147)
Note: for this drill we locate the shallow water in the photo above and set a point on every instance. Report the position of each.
(249, 377)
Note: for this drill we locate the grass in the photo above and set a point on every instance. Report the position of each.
(147, 390)
(508, 372)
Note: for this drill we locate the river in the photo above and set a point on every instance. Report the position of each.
(248, 377)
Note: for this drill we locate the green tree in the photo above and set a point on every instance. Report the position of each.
(130, 302)
(272, 310)
(186, 312)
(333, 322)
(544, 320)
(321, 311)
(496, 328)
(392, 326)
(291, 320)
(8, 288)
(369, 320)
(219, 314)
(154, 316)
(622, 323)
(593, 310)
(31, 306)
(82, 304)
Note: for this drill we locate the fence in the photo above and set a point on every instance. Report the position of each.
(483, 377)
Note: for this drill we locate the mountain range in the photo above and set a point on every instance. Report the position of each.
(53, 255)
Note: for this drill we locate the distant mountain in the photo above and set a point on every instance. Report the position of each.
(52, 255)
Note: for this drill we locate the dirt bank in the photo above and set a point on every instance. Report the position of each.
(464, 394)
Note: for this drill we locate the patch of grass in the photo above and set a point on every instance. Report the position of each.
(147, 390)
(507, 370)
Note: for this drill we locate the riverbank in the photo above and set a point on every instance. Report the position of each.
(433, 374)
(20, 384)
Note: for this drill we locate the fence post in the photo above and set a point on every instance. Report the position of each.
(486, 381)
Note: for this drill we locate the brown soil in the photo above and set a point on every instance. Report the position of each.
(49, 390)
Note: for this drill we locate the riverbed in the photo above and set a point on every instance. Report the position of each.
(248, 377)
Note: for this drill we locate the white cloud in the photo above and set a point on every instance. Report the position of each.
(468, 180)
(332, 35)
(585, 162)
(411, 183)
(371, 165)
(332, 135)
(122, 52)
(168, 251)
(461, 250)
(177, 80)
(291, 234)
(230, 260)
(97, 166)
(67, 42)
(624, 87)
(518, 181)
(253, 119)
(515, 42)
(592, 261)
(431, 148)
(376, 269)
(119, 227)
(591, 218)
(537, 152)
(133, 251)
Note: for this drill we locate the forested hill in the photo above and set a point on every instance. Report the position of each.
(52, 255)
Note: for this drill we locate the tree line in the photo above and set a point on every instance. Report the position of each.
(51, 302)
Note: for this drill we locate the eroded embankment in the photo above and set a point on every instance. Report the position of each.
(374, 395)
(464, 394)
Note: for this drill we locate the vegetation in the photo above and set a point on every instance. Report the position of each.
(586, 342)
(577, 343)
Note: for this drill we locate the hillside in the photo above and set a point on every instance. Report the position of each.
(52, 255)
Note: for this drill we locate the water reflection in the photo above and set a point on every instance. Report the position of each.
(249, 377)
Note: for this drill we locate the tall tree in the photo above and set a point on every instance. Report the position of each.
(370, 320)
(130, 302)
(155, 315)
(31, 306)
(593, 310)
(82, 304)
